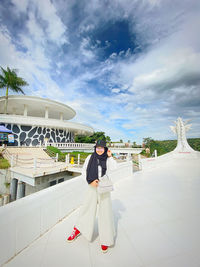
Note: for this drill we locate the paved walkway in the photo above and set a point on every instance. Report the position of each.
(157, 217)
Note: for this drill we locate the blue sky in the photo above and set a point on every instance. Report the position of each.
(128, 68)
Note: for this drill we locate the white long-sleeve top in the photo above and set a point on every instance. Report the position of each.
(111, 164)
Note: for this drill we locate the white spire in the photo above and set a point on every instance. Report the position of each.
(180, 129)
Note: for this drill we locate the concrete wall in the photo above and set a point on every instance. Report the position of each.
(28, 218)
(44, 182)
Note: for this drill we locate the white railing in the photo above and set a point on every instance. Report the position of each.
(28, 218)
(76, 146)
(71, 145)
(31, 162)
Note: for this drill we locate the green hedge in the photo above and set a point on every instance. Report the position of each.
(61, 155)
(54, 149)
(4, 163)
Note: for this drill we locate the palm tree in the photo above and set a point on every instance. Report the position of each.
(9, 79)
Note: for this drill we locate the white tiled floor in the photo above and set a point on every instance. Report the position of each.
(157, 217)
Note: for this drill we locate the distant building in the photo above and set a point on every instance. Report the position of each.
(118, 144)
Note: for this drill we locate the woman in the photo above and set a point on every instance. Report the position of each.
(95, 166)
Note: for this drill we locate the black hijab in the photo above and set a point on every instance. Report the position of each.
(92, 168)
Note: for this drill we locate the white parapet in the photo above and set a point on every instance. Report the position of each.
(28, 218)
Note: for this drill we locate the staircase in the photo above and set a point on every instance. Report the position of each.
(31, 160)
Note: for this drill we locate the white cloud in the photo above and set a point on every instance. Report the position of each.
(85, 50)
(55, 30)
(21, 5)
(115, 90)
(29, 67)
(144, 92)
(35, 30)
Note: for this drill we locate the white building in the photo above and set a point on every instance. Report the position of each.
(119, 144)
(35, 120)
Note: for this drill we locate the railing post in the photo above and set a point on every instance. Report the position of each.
(68, 158)
(78, 159)
(12, 161)
(16, 159)
(155, 153)
(35, 164)
(127, 157)
(139, 162)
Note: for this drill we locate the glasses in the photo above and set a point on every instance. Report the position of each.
(100, 148)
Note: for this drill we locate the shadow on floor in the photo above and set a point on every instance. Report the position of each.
(118, 209)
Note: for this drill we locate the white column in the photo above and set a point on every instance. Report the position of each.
(155, 153)
(78, 159)
(14, 111)
(25, 110)
(61, 116)
(46, 112)
(56, 157)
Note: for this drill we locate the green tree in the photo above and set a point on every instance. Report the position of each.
(91, 139)
(108, 139)
(134, 144)
(147, 141)
(10, 80)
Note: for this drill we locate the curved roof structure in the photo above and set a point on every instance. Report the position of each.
(36, 107)
(38, 111)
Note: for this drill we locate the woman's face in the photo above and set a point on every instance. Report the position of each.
(100, 150)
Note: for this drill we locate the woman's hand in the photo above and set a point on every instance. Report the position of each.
(109, 153)
(94, 183)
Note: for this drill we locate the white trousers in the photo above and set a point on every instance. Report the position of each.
(87, 216)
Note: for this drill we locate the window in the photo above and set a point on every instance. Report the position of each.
(60, 180)
(53, 182)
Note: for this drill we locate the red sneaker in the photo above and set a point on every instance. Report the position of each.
(73, 235)
(104, 248)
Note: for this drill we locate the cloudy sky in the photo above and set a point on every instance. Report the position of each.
(128, 67)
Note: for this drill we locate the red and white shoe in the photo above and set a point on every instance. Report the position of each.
(104, 248)
(75, 233)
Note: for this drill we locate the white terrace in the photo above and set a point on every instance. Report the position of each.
(157, 217)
